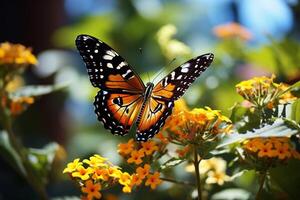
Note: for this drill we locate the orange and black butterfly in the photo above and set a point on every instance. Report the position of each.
(124, 99)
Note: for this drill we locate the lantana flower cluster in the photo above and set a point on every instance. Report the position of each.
(141, 156)
(97, 173)
(14, 58)
(278, 148)
(186, 127)
(264, 92)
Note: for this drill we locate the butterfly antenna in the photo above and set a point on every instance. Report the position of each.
(164, 68)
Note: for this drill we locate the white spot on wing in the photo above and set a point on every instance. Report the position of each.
(184, 70)
(109, 65)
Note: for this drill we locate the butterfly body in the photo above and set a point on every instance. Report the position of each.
(123, 99)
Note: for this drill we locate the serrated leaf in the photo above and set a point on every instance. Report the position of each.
(36, 90)
(277, 129)
(9, 153)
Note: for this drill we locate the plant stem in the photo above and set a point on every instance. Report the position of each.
(178, 182)
(197, 171)
(261, 184)
(30, 176)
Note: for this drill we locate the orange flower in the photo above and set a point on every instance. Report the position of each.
(254, 144)
(82, 173)
(142, 172)
(153, 180)
(183, 152)
(232, 30)
(149, 147)
(19, 105)
(136, 157)
(282, 150)
(136, 180)
(92, 190)
(126, 148)
(162, 138)
(101, 174)
(266, 150)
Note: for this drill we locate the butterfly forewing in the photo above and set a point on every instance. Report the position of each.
(174, 85)
(107, 70)
(118, 103)
(117, 111)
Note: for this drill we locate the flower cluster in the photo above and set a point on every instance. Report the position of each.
(232, 30)
(141, 155)
(264, 92)
(199, 124)
(213, 170)
(95, 174)
(16, 54)
(278, 148)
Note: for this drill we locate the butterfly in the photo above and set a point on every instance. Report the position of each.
(123, 100)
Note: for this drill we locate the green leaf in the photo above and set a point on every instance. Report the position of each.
(36, 90)
(171, 163)
(295, 115)
(41, 159)
(278, 129)
(9, 153)
(287, 178)
(231, 194)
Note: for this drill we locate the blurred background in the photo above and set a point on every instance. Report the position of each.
(248, 37)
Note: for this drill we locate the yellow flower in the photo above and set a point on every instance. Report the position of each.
(126, 148)
(287, 96)
(16, 54)
(142, 172)
(149, 147)
(153, 180)
(14, 84)
(136, 157)
(126, 189)
(213, 164)
(232, 30)
(125, 178)
(114, 172)
(92, 190)
(218, 177)
(95, 161)
(83, 173)
(72, 166)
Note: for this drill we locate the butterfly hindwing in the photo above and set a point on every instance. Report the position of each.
(107, 70)
(153, 118)
(173, 86)
(117, 111)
